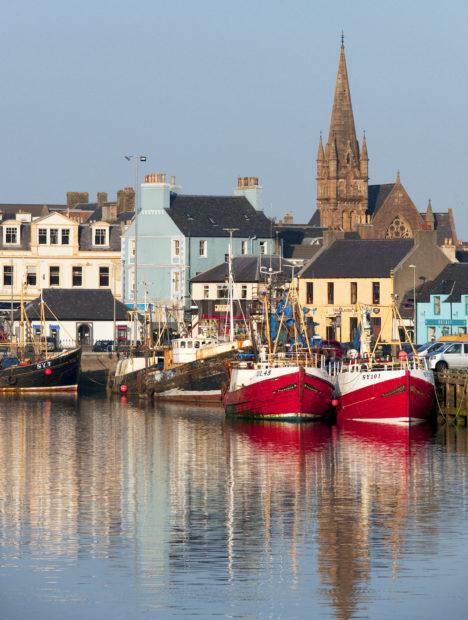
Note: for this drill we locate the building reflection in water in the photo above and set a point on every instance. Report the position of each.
(170, 492)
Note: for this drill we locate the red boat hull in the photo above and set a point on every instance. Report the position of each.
(293, 395)
(405, 399)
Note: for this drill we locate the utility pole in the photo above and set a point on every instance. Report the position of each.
(413, 267)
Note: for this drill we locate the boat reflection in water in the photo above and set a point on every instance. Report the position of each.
(364, 516)
(385, 436)
(282, 437)
(190, 513)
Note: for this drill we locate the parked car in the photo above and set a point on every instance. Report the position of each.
(429, 348)
(450, 355)
(103, 346)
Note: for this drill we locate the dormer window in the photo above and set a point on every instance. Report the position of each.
(54, 236)
(11, 235)
(100, 236)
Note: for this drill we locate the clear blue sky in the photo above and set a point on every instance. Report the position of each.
(212, 89)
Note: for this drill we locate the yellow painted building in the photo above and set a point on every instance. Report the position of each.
(337, 304)
(348, 274)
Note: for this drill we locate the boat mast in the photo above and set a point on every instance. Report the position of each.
(365, 331)
(230, 285)
(43, 327)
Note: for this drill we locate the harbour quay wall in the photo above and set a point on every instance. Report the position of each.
(96, 369)
(452, 396)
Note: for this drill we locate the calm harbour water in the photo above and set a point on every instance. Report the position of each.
(113, 510)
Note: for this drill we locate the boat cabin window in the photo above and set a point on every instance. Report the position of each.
(189, 344)
(182, 344)
(197, 345)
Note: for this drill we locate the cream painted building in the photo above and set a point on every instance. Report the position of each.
(337, 305)
(56, 251)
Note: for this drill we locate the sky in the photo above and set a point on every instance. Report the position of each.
(211, 90)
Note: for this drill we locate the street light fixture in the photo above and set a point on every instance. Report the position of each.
(137, 159)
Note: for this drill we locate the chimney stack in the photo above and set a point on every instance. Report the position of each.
(101, 198)
(74, 198)
(156, 192)
(125, 200)
(250, 188)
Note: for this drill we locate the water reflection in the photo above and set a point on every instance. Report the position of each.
(173, 503)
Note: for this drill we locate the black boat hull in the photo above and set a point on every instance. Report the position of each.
(203, 375)
(58, 373)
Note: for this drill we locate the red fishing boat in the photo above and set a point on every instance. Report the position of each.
(384, 391)
(280, 388)
(387, 392)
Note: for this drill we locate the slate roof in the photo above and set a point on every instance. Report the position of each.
(73, 304)
(358, 258)
(125, 216)
(304, 251)
(207, 216)
(9, 210)
(376, 195)
(443, 227)
(315, 219)
(407, 303)
(452, 281)
(86, 239)
(245, 269)
(293, 235)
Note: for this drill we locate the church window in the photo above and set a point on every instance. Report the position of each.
(398, 229)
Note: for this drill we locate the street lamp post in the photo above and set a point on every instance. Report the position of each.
(137, 159)
(413, 267)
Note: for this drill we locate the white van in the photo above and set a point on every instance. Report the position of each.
(452, 355)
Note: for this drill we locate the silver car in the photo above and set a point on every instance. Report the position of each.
(451, 355)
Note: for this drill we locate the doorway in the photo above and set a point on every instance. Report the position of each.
(84, 335)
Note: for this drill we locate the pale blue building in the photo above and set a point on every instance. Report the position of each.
(442, 305)
(180, 236)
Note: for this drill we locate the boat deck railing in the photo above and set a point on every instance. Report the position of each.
(283, 359)
(372, 365)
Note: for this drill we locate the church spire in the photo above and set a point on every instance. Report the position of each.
(342, 119)
(320, 151)
(342, 177)
(364, 154)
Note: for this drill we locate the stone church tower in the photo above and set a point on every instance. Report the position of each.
(342, 169)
